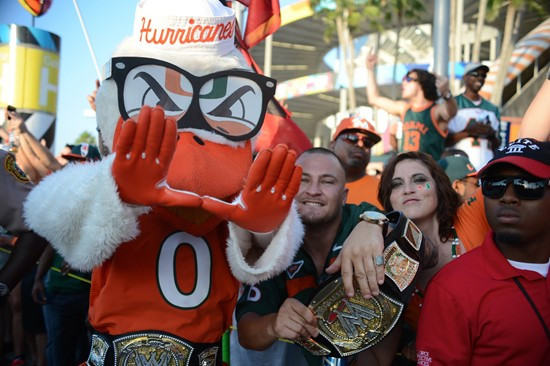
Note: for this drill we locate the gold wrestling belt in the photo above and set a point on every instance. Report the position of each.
(349, 325)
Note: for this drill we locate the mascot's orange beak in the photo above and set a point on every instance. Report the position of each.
(208, 168)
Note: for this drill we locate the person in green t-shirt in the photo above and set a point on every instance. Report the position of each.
(475, 128)
(275, 308)
(65, 304)
(424, 121)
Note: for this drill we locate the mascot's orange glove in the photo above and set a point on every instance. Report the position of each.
(144, 151)
(265, 200)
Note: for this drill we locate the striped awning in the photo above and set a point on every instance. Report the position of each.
(527, 50)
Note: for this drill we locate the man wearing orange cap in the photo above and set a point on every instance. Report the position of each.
(352, 141)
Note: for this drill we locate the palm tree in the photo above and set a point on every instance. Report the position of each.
(345, 17)
(395, 13)
(86, 137)
(481, 13)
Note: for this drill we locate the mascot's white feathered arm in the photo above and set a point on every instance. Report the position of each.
(265, 230)
(79, 211)
(276, 250)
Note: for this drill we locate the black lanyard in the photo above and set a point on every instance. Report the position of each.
(516, 280)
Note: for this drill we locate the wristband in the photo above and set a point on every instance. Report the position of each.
(4, 292)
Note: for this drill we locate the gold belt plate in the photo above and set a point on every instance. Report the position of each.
(146, 349)
(352, 324)
(399, 267)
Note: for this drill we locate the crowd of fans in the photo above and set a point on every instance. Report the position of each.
(50, 306)
(447, 147)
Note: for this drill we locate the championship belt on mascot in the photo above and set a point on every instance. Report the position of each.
(349, 325)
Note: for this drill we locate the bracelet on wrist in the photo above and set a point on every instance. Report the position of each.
(4, 289)
(448, 95)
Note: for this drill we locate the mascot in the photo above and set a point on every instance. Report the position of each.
(178, 213)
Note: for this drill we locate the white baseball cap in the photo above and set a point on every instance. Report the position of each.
(196, 26)
(475, 66)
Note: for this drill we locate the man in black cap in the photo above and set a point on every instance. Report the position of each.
(475, 127)
(491, 305)
(79, 153)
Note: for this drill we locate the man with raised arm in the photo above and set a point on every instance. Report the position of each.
(424, 121)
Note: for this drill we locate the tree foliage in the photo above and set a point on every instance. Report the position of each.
(86, 137)
(376, 14)
(348, 18)
(493, 7)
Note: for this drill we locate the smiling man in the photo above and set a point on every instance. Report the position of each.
(475, 127)
(275, 308)
(491, 306)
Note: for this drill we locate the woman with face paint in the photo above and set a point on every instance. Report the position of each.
(414, 184)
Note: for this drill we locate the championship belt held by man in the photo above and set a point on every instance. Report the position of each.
(349, 325)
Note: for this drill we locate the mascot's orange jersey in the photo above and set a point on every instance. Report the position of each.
(180, 281)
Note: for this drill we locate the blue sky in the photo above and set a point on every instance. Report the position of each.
(107, 22)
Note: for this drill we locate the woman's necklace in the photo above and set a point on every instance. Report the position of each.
(455, 246)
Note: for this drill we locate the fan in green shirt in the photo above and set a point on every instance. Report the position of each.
(475, 128)
(275, 308)
(424, 120)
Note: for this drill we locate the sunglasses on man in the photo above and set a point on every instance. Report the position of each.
(408, 78)
(476, 74)
(525, 188)
(354, 139)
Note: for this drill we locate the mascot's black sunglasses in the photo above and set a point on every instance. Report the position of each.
(231, 103)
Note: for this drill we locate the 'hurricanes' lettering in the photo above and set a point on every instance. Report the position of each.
(192, 33)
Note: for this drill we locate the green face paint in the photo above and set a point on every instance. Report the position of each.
(423, 186)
